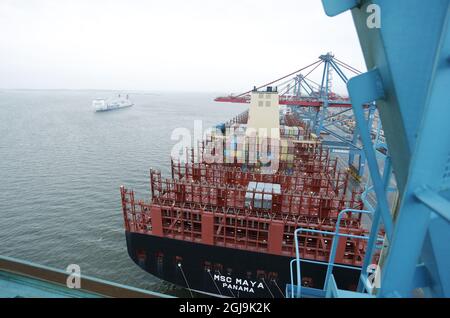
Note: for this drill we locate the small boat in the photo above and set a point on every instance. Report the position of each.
(101, 105)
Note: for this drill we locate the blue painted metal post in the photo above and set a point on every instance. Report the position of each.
(351, 157)
(324, 91)
(363, 89)
(375, 226)
(334, 245)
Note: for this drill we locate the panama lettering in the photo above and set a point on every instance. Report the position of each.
(239, 284)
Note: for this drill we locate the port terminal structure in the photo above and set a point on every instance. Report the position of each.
(413, 109)
(409, 85)
(412, 136)
(329, 114)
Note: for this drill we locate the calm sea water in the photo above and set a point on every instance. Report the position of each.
(61, 165)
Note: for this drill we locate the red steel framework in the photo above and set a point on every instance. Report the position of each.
(211, 204)
(242, 118)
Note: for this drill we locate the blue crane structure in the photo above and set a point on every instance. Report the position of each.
(322, 120)
(407, 54)
(313, 102)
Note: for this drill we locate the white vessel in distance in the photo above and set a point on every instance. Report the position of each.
(101, 104)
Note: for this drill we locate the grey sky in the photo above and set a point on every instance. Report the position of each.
(198, 45)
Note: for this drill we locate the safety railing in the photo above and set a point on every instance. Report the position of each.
(331, 261)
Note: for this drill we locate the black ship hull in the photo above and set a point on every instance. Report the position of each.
(224, 271)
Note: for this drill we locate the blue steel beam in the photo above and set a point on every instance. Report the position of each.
(324, 91)
(430, 159)
(375, 222)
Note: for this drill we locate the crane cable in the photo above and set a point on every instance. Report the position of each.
(348, 67)
(281, 78)
(304, 77)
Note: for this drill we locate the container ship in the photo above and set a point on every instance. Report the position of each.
(223, 223)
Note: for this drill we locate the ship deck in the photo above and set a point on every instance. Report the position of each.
(22, 279)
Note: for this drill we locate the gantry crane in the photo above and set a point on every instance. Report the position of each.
(313, 101)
